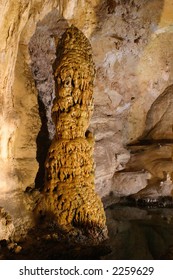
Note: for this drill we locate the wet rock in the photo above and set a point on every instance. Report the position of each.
(160, 202)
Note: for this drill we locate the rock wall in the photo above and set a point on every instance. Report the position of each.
(132, 50)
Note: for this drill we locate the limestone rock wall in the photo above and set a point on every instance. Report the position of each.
(132, 50)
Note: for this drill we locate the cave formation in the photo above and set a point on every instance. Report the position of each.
(69, 190)
(131, 123)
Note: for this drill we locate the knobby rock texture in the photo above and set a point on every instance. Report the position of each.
(132, 119)
(69, 192)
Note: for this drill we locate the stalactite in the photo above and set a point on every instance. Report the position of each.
(69, 191)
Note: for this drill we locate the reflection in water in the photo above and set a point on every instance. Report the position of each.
(140, 234)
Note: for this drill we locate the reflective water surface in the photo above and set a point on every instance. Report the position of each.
(140, 233)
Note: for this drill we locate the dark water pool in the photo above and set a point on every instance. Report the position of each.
(140, 233)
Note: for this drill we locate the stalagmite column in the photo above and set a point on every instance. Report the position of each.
(69, 191)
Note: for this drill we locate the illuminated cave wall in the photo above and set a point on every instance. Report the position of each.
(132, 51)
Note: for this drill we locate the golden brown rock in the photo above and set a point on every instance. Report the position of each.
(69, 191)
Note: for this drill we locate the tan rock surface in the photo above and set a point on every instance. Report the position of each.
(69, 191)
(132, 50)
(6, 225)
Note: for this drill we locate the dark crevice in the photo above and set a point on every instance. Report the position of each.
(145, 142)
(43, 144)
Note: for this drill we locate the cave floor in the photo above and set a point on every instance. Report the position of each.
(134, 233)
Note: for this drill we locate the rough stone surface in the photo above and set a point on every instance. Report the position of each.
(159, 120)
(132, 120)
(69, 178)
(6, 225)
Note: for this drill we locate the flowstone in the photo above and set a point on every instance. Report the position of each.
(69, 191)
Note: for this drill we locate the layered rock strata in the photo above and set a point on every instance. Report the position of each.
(69, 192)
